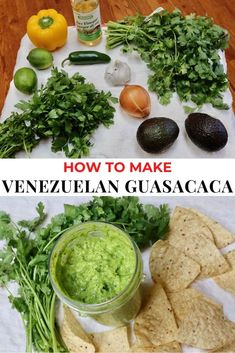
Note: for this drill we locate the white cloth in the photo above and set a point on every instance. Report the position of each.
(222, 209)
(119, 141)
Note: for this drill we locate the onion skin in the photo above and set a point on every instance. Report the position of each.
(135, 101)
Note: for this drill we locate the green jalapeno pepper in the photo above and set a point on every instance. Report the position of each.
(87, 58)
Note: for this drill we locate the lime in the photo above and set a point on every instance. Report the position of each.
(40, 58)
(25, 80)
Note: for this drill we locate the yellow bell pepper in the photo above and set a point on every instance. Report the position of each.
(47, 29)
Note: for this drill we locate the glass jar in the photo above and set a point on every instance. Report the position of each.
(117, 311)
(87, 21)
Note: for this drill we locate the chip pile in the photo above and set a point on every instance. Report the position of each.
(190, 252)
(173, 313)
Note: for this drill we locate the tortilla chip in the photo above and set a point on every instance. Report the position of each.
(230, 257)
(183, 301)
(227, 280)
(172, 267)
(73, 334)
(111, 341)
(169, 347)
(204, 327)
(155, 325)
(191, 222)
(227, 349)
(187, 234)
(222, 236)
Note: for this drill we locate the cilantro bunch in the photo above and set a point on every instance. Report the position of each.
(67, 110)
(28, 245)
(181, 52)
(25, 261)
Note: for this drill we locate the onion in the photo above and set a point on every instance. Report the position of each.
(135, 101)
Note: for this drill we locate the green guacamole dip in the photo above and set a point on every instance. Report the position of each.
(94, 263)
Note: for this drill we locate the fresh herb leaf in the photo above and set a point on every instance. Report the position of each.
(33, 224)
(67, 110)
(181, 52)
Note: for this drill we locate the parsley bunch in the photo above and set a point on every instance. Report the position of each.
(67, 110)
(181, 52)
(28, 245)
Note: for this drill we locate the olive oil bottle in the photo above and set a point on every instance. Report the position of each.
(87, 21)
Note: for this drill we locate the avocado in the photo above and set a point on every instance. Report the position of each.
(157, 134)
(206, 132)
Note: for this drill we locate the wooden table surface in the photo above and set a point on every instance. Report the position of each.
(14, 15)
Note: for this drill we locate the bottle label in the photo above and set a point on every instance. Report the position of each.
(88, 24)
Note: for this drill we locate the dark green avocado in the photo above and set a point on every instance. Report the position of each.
(206, 132)
(157, 134)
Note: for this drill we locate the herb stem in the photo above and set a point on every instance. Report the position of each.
(29, 331)
(54, 238)
(52, 323)
(27, 280)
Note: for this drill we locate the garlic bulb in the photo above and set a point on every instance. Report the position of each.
(118, 73)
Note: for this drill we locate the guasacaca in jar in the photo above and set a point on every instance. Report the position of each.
(87, 21)
(96, 269)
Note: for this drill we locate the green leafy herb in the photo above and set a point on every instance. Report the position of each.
(145, 223)
(23, 262)
(24, 259)
(67, 110)
(181, 52)
(32, 225)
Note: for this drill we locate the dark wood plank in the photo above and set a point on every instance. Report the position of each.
(14, 15)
